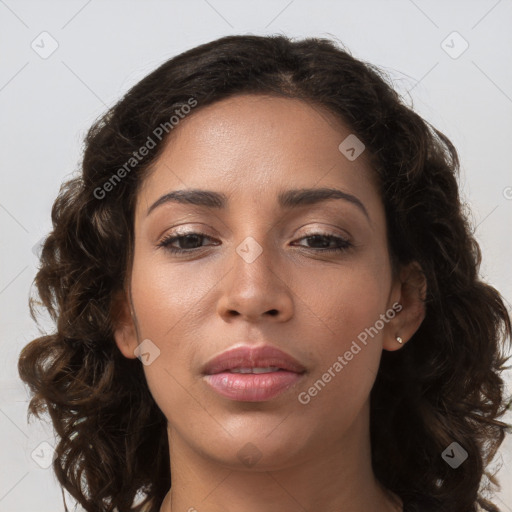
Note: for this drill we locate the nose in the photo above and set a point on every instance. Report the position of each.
(256, 290)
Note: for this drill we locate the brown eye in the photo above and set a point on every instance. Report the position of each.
(326, 243)
(187, 242)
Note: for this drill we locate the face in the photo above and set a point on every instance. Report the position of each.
(311, 278)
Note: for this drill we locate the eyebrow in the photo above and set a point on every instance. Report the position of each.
(288, 199)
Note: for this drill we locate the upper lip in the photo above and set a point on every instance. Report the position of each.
(252, 357)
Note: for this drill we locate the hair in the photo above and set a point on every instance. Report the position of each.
(443, 386)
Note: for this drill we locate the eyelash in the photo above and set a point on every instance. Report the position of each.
(344, 244)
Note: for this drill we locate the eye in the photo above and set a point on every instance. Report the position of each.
(325, 242)
(188, 241)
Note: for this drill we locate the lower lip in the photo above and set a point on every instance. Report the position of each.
(252, 387)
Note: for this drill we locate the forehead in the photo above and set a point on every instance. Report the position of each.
(249, 145)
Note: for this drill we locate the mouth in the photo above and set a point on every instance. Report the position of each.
(252, 374)
(268, 369)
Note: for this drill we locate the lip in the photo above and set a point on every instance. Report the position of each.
(252, 387)
(252, 357)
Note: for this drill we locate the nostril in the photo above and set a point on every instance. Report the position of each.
(273, 312)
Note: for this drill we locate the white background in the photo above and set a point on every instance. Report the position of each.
(105, 47)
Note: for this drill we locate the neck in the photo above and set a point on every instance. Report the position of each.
(335, 478)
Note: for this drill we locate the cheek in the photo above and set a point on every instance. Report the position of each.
(346, 334)
(167, 296)
(343, 302)
(166, 310)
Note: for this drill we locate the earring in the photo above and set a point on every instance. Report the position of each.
(399, 340)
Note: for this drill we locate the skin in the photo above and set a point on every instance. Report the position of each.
(313, 456)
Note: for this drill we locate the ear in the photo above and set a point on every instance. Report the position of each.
(410, 291)
(125, 330)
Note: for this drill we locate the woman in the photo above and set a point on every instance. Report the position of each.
(266, 293)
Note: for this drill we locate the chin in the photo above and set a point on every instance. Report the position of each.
(258, 452)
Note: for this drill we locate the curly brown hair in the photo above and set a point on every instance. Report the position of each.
(444, 386)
